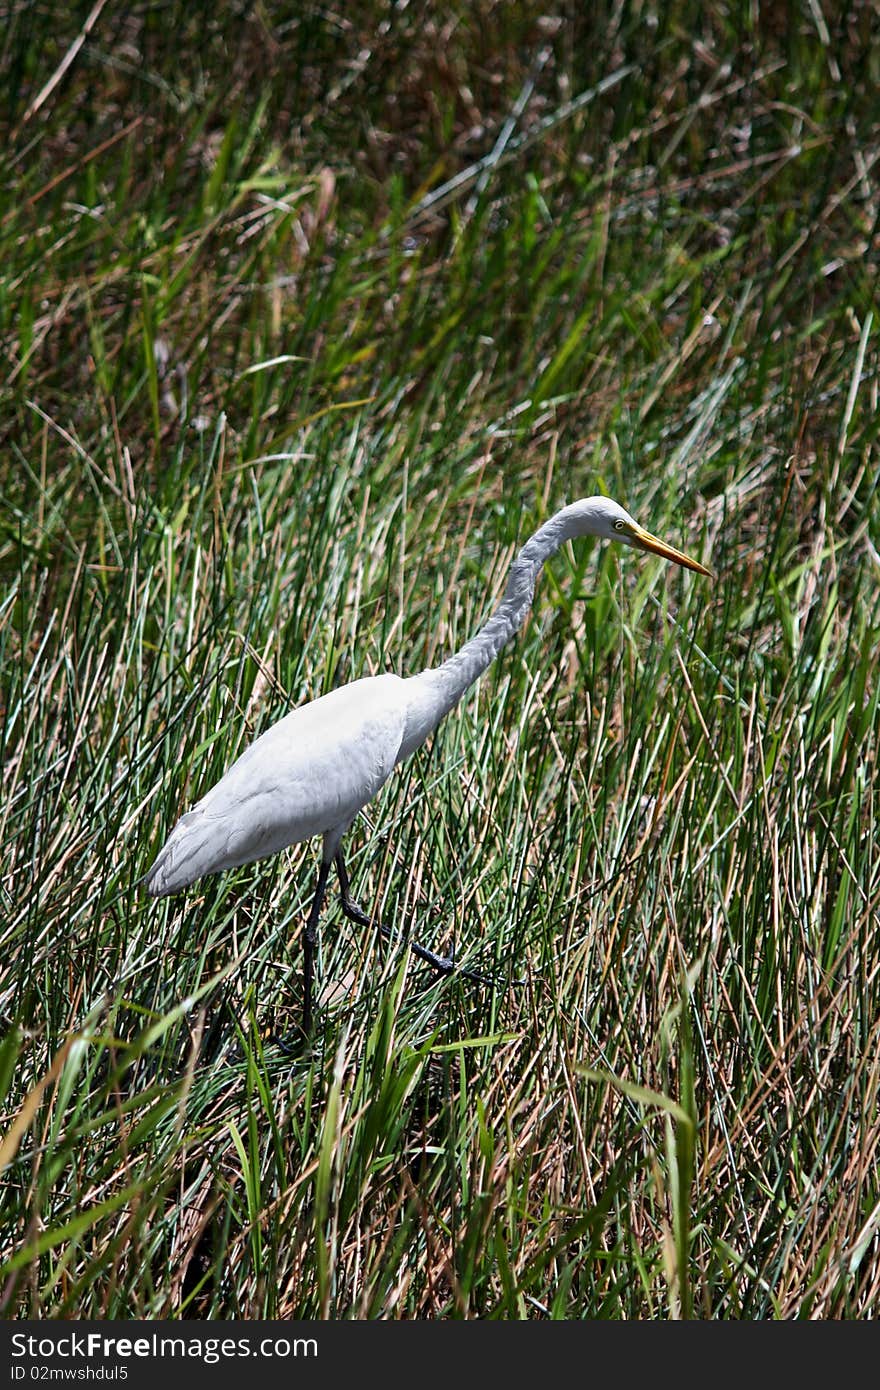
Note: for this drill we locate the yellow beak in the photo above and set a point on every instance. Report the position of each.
(645, 541)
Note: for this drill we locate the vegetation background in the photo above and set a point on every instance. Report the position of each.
(309, 315)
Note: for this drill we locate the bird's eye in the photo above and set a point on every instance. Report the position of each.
(619, 525)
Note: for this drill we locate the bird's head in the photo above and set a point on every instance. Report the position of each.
(602, 517)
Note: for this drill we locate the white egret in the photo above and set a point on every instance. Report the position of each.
(312, 772)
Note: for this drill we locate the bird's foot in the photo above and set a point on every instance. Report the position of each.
(444, 965)
(292, 1044)
(295, 1044)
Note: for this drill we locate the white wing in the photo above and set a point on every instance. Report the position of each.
(308, 774)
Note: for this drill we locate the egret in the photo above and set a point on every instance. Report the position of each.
(311, 772)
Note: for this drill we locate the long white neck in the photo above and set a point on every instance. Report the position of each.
(436, 691)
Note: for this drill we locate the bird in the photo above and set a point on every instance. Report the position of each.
(311, 772)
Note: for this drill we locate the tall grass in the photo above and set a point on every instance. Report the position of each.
(308, 320)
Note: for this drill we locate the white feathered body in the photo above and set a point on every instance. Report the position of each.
(309, 774)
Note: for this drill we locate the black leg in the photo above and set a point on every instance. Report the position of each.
(309, 939)
(444, 965)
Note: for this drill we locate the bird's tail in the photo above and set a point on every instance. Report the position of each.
(188, 853)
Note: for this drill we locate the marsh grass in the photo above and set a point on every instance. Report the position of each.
(299, 346)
